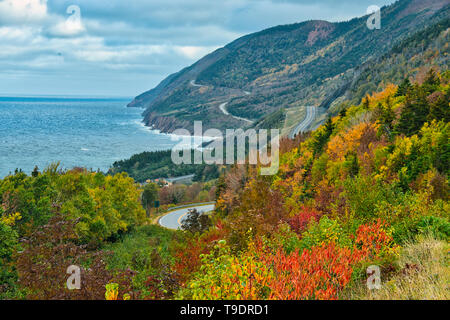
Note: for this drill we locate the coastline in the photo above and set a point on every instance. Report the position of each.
(155, 128)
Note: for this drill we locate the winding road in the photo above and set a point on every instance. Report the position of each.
(196, 85)
(301, 127)
(174, 219)
(223, 106)
(176, 179)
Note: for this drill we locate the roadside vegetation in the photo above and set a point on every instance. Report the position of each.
(370, 187)
(158, 164)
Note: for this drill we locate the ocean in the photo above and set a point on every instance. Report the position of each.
(77, 132)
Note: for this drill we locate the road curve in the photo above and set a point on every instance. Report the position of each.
(175, 179)
(196, 85)
(223, 108)
(301, 127)
(173, 219)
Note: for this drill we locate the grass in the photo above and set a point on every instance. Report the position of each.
(144, 250)
(423, 274)
(135, 248)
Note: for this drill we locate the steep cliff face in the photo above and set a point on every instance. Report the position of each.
(309, 63)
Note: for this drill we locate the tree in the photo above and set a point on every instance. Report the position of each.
(439, 108)
(149, 196)
(414, 113)
(196, 222)
(8, 244)
(431, 82)
(35, 172)
(177, 193)
(366, 103)
(322, 136)
(220, 186)
(48, 252)
(403, 88)
(300, 222)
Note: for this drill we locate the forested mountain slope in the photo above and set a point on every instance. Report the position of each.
(308, 63)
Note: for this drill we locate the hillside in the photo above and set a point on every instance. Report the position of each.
(158, 164)
(410, 58)
(308, 63)
(370, 187)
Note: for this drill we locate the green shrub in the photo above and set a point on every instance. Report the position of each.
(325, 231)
(408, 230)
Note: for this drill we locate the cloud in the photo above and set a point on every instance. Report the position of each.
(194, 52)
(22, 11)
(126, 47)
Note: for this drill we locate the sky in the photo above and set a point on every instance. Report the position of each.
(125, 47)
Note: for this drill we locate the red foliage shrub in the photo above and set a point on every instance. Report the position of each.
(300, 222)
(372, 240)
(323, 271)
(317, 274)
(187, 252)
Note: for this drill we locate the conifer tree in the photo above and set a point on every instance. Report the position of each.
(403, 88)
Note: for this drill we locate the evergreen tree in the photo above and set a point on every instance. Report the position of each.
(388, 114)
(149, 196)
(403, 88)
(220, 186)
(196, 222)
(431, 82)
(323, 137)
(365, 103)
(439, 109)
(415, 112)
(35, 172)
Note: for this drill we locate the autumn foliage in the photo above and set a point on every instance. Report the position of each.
(348, 195)
(299, 222)
(319, 273)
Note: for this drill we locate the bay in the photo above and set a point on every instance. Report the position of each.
(78, 132)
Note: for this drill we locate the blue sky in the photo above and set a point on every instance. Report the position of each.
(125, 47)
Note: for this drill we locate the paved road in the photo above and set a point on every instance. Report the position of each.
(174, 219)
(223, 108)
(195, 84)
(175, 179)
(301, 127)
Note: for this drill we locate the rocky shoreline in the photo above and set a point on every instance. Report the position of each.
(166, 124)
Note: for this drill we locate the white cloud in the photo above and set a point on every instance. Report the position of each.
(45, 61)
(194, 53)
(22, 11)
(102, 53)
(131, 45)
(16, 35)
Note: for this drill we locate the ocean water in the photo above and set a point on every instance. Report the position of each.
(90, 133)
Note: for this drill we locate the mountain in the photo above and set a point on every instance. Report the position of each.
(283, 68)
(411, 58)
